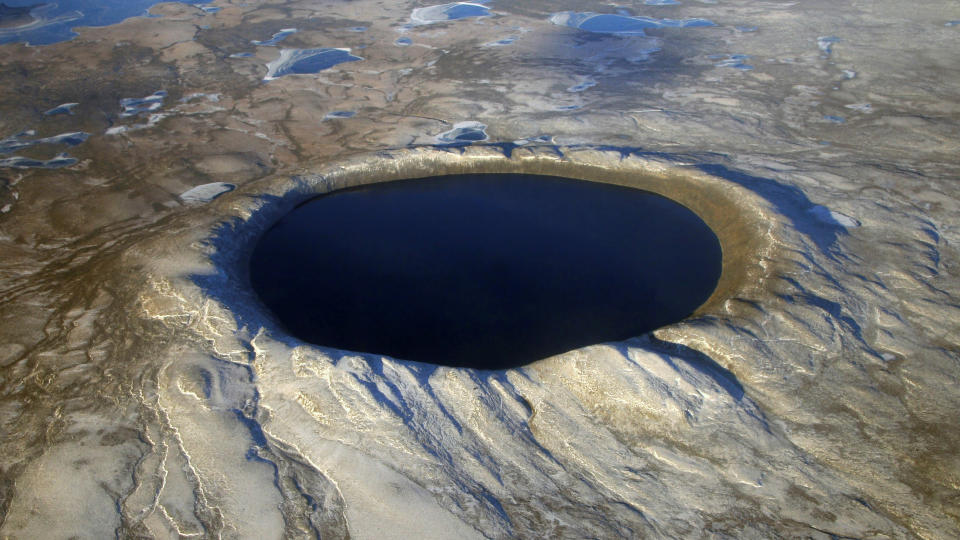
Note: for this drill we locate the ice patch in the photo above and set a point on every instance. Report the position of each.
(210, 9)
(825, 43)
(448, 12)
(500, 43)
(206, 192)
(305, 61)
(736, 61)
(277, 38)
(834, 119)
(215, 98)
(621, 25)
(860, 107)
(463, 132)
(582, 86)
(542, 139)
(134, 106)
(18, 142)
(152, 120)
(952, 23)
(339, 114)
(241, 55)
(661, 2)
(18, 162)
(403, 42)
(70, 139)
(830, 217)
(66, 108)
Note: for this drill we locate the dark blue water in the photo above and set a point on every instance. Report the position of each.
(484, 271)
(464, 10)
(52, 22)
(307, 61)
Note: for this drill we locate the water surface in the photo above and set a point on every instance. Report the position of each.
(485, 271)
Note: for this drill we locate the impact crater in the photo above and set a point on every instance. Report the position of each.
(488, 270)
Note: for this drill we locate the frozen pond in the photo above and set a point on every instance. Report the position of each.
(146, 391)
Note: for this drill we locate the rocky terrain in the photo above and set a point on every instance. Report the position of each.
(145, 392)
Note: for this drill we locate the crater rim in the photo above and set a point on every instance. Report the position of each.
(738, 217)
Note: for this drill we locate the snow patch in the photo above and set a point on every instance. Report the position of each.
(206, 192)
